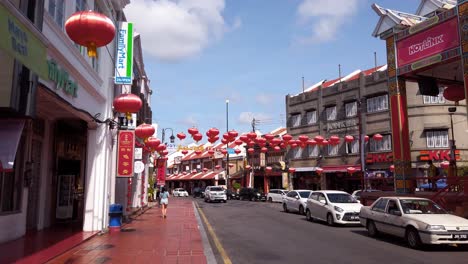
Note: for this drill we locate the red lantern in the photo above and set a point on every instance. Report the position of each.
(392, 168)
(144, 131)
(237, 151)
(303, 138)
(212, 132)
(350, 170)
(366, 138)
(213, 139)
(277, 148)
(269, 137)
(334, 140)
(250, 150)
(454, 93)
(217, 167)
(224, 141)
(252, 135)
(319, 139)
(233, 134)
(311, 142)
(128, 104)
(238, 142)
(349, 138)
(292, 170)
(153, 143)
(251, 144)
(248, 167)
(205, 169)
(244, 138)
(192, 131)
(293, 145)
(198, 152)
(264, 150)
(211, 152)
(164, 152)
(90, 29)
(325, 142)
(184, 152)
(226, 136)
(275, 141)
(286, 137)
(377, 137)
(231, 165)
(197, 137)
(444, 165)
(268, 169)
(318, 170)
(181, 136)
(224, 151)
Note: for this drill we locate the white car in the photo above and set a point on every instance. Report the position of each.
(179, 192)
(357, 193)
(215, 193)
(418, 220)
(296, 201)
(334, 207)
(276, 195)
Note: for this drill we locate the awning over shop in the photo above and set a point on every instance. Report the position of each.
(10, 133)
(298, 169)
(209, 175)
(340, 168)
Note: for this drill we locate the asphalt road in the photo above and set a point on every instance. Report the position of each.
(257, 232)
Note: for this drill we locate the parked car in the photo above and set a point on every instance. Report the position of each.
(296, 201)
(357, 193)
(179, 192)
(251, 194)
(418, 220)
(276, 195)
(198, 192)
(232, 195)
(334, 207)
(215, 193)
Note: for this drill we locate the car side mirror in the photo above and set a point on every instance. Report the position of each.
(297, 197)
(323, 201)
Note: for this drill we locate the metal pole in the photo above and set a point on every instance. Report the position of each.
(227, 145)
(362, 146)
(452, 145)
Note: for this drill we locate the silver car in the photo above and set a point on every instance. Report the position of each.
(276, 195)
(215, 193)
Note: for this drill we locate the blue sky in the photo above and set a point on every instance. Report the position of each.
(198, 53)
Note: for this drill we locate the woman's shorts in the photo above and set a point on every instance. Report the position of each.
(164, 201)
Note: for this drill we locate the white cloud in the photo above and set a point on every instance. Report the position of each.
(172, 30)
(247, 117)
(325, 17)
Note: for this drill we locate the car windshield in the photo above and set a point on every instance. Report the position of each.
(341, 198)
(418, 206)
(304, 194)
(216, 189)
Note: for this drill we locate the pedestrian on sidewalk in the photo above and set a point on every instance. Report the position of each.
(164, 201)
(158, 198)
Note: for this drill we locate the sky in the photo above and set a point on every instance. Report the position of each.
(200, 53)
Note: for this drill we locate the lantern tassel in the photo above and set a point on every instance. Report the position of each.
(92, 50)
(128, 115)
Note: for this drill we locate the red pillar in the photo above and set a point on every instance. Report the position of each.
(266, 182)
(399, 123)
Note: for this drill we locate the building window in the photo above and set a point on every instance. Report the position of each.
(352, 147)
(311, 117)
(296, 120)
(381, 145)
(80, 5)
(296, 153)
(351, 109)
(331, 113)
(312, 151)
(437, 138)
(377, 103)
(56, 11)
(435, 99)
(333, 150)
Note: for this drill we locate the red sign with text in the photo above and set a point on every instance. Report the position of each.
(379, 157)
(437, 155)
(432, 41)
(125, 153)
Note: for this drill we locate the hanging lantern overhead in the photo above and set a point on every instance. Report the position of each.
(325, 142)
(153, 142)
(366, 138)
(351, 170)
(319, 139)
(334, 140)
(377, 137)
(250, 150)
(233, 134)
(90, 29)
(349, 138)
(184, 152)
(303, 138)
(212, 132)
(192, 131)
(392, 168)
(197, 137)
(226, 136)
(181, 135)
(444, 165)
(213, 139)
(275, 141)
(311, 142)
(454, 93)
(248, 167)
(164, 152)
(251, 144)
(224, 141)
(198, 152)
(144, 131)
(318, 170)
(292, 170)
(286, 137)
(238, 142)
(244, 138)
(211, 152)
(269, 137)
(217, 167)
(128, 104)
(237, 151)
(252, 135)
(264, 150)
(205, 169)
(224, 151)
(268, 169)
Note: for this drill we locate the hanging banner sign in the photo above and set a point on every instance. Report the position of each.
(427, 43)
(125, 153)
(124, 60)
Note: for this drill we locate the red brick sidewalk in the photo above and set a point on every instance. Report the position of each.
(147, 239)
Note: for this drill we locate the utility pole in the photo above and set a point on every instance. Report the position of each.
(227, 145)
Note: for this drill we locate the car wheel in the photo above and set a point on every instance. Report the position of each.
(412, 238)
(308, 215)
(285, 208)
(270, 200)
(371, 229)
(224, 201)
(301, 210)
(330, 220)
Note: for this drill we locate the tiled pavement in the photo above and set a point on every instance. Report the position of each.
(147, 239)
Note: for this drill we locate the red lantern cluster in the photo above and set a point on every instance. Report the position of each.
(144, 131)
(212, 135)
(128, 104)
(90, 29)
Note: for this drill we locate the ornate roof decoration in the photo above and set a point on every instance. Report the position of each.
(427, 7)
(391, 19)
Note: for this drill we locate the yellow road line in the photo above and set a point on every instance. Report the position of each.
(218, 245)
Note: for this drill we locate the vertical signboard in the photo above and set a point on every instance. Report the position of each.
(125, 153)
(124, 61)
(161, 165)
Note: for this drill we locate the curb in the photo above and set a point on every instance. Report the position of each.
(210, 258)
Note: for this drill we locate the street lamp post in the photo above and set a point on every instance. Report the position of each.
(227, 145)
(171, 138)
(453, 165)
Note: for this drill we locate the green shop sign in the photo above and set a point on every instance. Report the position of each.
(61, 78)
(20, 43)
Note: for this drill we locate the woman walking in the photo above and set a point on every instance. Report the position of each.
(164, 201)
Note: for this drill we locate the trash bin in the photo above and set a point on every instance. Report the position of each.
(115, 217)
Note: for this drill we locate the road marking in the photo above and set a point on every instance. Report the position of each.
(218, 245)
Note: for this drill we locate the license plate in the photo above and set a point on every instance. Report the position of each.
(460, 236)
(354, 217)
